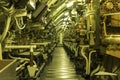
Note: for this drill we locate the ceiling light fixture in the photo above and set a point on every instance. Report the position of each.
(69, 4)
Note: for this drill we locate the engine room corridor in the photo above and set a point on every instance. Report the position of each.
(61, 68)
(59, 39)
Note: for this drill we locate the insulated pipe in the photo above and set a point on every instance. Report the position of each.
(39, 9)
(57, 20)
(84, 56)
(44, 43)
(90, 54)
(20, 46)
(59, 2)
(19, 58)
(31, 47)
(59, 10)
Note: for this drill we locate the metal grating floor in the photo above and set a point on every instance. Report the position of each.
(60, 68)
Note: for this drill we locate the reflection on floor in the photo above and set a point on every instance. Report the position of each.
(60, 68)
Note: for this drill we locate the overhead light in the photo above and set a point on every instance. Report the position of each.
(67, 13)
(65, 19)
(70, 4)
(32, 4)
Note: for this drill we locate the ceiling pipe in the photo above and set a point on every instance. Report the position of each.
(39, 9)
(57, 14)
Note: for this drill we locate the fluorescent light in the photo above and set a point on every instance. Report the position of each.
(70, 4)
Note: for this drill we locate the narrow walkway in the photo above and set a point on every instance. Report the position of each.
(60, 68)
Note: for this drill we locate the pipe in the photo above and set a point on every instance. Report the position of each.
(6, 28)
(19, 58)
(19, 67)
(22, 25)
(58, 11)
(24, 46)
(59, 2)
(20, 13)
(104, 28)
(4, 34)
(38, 73)
(44, 43)
(102, 73)
(20, 46)
(95, 70)
(39, 10)
(91, 52)
(87, 62)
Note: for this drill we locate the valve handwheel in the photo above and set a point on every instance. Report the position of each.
(109, 6)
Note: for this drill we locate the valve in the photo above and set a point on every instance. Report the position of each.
(109, 5)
